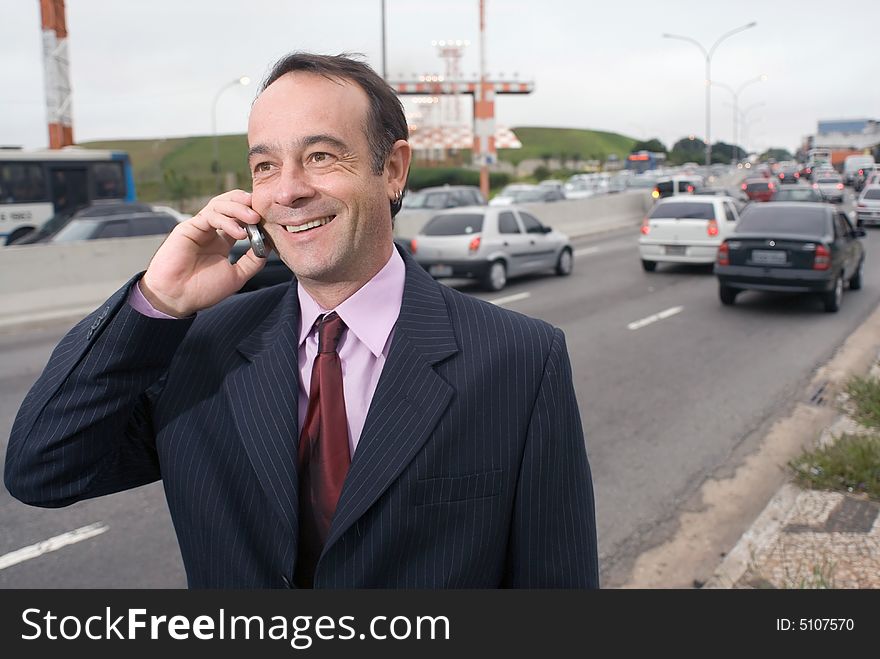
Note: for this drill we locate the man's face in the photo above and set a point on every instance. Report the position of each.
(324, 208)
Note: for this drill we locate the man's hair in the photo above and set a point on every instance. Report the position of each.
(385, 123)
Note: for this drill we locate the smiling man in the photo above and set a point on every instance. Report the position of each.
(360, 427)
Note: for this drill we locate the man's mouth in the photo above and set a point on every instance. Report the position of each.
(314, 224)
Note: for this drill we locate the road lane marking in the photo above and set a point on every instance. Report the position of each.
(666, 313)
(510, 298)
(52, 544)
(587, 250)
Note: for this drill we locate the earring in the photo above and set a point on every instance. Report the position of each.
(397, 195)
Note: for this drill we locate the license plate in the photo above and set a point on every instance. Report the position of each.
(440, 270)
(769, 257)
(676, 250)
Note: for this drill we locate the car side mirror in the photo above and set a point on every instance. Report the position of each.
(859, 233)
(546, 229)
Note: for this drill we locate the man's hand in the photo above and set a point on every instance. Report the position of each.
(191, 270)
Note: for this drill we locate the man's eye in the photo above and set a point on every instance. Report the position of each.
(319, 157)
(261, 167)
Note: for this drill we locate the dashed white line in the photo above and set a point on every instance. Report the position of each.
(666, 313)
(510, 298)
(587, 250)
(52, 544)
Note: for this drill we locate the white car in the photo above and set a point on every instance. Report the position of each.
(686, 229)
(490, 244)
(508, 194)
(173, 212)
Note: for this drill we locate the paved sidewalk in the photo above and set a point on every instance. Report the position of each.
(809, 538)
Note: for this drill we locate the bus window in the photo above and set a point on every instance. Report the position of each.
(108, 180)
(22, 183)
(69, 189)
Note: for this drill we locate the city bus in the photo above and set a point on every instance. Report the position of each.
(40, 184)
(643, 161)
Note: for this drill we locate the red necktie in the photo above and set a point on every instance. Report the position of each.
(323, 451)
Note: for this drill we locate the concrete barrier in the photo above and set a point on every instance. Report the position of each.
(575, 217)
(41, 282)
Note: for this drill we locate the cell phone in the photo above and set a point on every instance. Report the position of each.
(259, 242)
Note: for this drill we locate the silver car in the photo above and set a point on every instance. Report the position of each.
(491, 244)
(868, 206)
(830, 186)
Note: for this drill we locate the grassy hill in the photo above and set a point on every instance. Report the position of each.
(168, 169)
(570, 142)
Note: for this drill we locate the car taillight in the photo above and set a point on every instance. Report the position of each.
(723, 257)
(815, 186)
(474, 244)
(822, 258)
(782, 176)
(771, 186)
(744, 186)
(840, 186)
(797, 174)
(712, 228)
(655, 193)
(646, 227)
(861, 172)
(690, 188)
(860, 205)
(413, 245)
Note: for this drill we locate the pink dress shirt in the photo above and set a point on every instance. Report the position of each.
(369, 314)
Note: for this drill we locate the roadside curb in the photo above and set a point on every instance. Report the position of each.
(774, 521)
(763, 533)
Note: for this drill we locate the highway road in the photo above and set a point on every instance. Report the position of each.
(674, 389)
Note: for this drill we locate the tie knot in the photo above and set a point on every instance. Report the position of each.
(329, 330)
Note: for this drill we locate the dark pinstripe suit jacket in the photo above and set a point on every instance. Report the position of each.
(471, 470)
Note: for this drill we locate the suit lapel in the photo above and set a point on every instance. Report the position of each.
(410, 398)
(263, 396)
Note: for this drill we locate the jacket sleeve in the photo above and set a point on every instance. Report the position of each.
(85, 427)
(553, 535)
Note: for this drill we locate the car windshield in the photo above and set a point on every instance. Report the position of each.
(425, 200)
(770, 218)
(454, 225)
(756, 187)
(76, 230)
(872, 194)
(528, 195)
(796, 195)
(681, 210)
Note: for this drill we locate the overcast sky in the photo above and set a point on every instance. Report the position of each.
(152, 68)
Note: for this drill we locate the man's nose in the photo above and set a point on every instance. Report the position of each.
(292, 185)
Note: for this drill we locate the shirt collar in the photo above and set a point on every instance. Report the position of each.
(370, 313)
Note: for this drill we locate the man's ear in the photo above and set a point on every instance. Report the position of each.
(397, 167)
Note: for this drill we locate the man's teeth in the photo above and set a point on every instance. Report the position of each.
(309, 225)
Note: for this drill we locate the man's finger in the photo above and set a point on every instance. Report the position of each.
(249, 265)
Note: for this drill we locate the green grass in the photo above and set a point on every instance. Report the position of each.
(864, 393)
(567, 142)
(851, 464)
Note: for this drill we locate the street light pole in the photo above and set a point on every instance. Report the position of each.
(744, 114)
(735, 94)
(243, 80)
(384, 70)
(708, 55)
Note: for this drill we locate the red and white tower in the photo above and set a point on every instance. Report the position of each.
(57, 68)
(451, 51)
